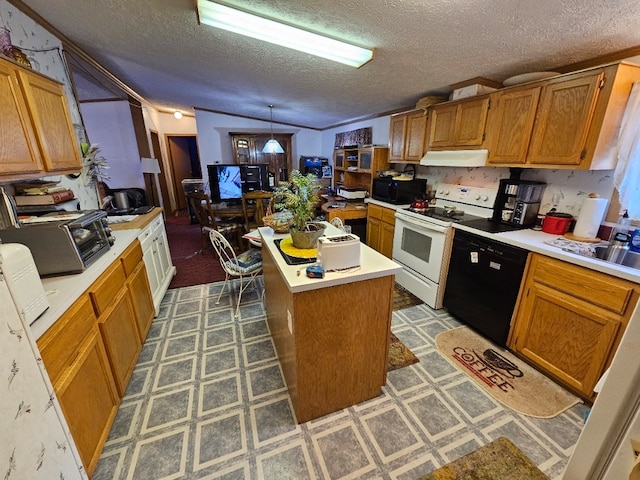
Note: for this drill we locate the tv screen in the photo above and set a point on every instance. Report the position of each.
(228, 182)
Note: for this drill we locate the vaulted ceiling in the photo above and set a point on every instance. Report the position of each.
(160, 52)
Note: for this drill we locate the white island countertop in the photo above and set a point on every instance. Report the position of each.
(534, 241)
(63, 290)
(372, 265)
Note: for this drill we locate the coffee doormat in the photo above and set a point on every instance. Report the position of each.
(504, 376)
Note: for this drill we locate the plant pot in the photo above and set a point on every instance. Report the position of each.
(307, 238)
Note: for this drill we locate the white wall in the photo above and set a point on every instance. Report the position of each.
(214, 143)
(110, 126)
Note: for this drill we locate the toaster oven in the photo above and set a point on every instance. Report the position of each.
(63, 242)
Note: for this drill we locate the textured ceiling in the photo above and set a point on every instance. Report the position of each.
(158, 49)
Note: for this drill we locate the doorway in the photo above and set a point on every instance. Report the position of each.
(156, 152)
(185, 163)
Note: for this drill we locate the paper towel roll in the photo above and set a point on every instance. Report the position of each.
(591, 215)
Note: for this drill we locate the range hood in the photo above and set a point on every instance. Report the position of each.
(455, 158)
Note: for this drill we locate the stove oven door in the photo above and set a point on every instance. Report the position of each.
(420, 246)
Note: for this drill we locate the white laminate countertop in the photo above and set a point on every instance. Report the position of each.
(392, 206)
(533, 240)
(63, 290)
(372, 265)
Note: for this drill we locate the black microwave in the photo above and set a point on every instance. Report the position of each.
(387, 189)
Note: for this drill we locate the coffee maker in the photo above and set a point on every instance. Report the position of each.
(518, 202)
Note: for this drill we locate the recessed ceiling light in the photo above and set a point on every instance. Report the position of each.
(221, 16)
(177, 114)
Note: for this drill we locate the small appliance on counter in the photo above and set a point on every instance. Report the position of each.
(391, 190)
(339, 252)
(556, 223)
(518, 202)
(63, 242)
(351, 193)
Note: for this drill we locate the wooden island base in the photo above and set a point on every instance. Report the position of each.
(332, 341)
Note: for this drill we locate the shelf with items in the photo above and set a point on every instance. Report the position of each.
(355, 168)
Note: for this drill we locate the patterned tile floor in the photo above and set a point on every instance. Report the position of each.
(207, 400)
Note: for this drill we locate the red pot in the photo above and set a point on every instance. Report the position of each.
(557, 223)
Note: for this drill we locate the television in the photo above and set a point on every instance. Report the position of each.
(227, 182)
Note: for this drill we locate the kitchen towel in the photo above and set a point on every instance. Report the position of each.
(591, 215)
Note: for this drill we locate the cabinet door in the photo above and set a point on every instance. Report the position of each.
(416, 136)
(242, 149)
(89, 399)
(163, 253)
(510, 125)
(141, 299)
(582, 334)
(442, 124)
(18, 147)
(396, 137)
(153, 273)
(339, 159)
(48, 108)
(373, 232)
(564, 118)
(471, 118)
(386, 239)
(365, 160)
(120, 334)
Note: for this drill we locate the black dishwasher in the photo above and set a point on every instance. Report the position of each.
(483, 282)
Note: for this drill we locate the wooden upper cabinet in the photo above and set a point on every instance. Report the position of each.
(441, 126)
(18, 148)
(571, 121)
(408, 135)
(416, 136)
(459, 125)
(510, 124)
(396, 137)
(37, 134)
(565, 116)
(52, 123)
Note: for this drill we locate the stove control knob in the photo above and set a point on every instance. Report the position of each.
(485, 198)
(477, 197)
(445, 192)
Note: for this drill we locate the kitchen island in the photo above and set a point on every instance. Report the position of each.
(331, 334)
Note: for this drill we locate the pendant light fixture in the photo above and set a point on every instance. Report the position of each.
(272, 146)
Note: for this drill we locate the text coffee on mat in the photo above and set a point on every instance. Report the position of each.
(505, 377)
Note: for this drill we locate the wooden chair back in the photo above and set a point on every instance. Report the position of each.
(258, 199)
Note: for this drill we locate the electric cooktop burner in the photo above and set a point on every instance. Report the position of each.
(439, 213)
(489, 225)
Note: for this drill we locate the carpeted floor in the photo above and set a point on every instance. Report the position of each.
(193, 267)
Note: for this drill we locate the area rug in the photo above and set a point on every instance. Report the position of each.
(505, 377)
(499, 459)
(399, 355)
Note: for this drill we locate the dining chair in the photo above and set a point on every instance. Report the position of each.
(204, 212)
(245, 266)
(258, 199)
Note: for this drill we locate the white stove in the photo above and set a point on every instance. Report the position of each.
(422, 239)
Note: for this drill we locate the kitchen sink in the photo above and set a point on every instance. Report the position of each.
(631, 259)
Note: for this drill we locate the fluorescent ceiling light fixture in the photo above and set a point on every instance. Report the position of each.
(221, 16)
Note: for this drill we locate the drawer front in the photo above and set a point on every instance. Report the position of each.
(612, 294)
(374, 211)
(131, 257)
(146, 238)
(389, 216)
(104, 290)
(60, 344)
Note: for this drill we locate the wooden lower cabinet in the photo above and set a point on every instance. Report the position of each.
(569, 321)
(140, 292)
(77, 363)
(120, 334)
(381, 228)
(91, 350)
(89, 399)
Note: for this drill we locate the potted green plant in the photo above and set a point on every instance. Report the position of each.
(299, 196)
